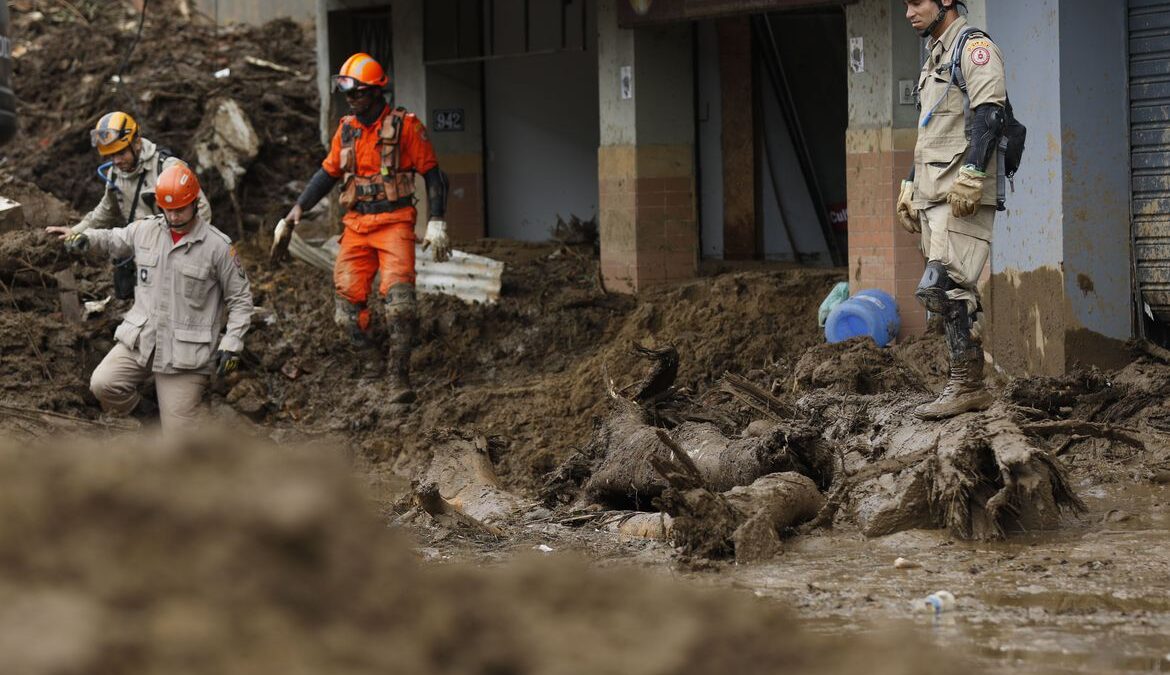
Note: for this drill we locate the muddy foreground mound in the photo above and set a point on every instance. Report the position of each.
(211, 557)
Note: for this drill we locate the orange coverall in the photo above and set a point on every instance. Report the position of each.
(377, 242)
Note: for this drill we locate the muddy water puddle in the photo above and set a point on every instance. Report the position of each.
(1094, 597)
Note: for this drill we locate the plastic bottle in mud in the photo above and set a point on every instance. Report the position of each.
(936, 603)
(7, 99)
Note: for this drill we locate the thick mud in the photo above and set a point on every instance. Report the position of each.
(265, 552)
(216, 556)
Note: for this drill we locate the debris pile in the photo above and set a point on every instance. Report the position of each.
(70, 68)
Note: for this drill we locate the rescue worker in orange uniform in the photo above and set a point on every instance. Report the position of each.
(376, 152)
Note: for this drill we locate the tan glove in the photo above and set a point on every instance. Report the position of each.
(906, 213)
(967, 192)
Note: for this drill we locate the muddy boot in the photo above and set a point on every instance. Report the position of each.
(401, 325)
(364, 357)
(964, 391)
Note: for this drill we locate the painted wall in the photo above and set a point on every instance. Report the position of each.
(1029, 235)
(1095, 141)
(1060, 258)
(870, 91)
(257, 11)
(615, 49)
(542, 137)
(709, 118)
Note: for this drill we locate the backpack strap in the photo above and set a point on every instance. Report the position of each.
(163, 156)
(960, 79)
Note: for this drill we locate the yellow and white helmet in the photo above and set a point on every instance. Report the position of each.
(113, 133)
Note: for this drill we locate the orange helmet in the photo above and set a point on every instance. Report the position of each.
(359, 70)
(113, 133)
(177, 187)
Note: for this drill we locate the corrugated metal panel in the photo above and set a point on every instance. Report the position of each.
(1149, 87)
(469, 277)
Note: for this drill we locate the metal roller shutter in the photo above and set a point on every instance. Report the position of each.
(1149, 86)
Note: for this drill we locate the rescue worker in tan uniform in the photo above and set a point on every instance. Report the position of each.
(188, 275)
(375, 154)
(130, 175)
(951, 197)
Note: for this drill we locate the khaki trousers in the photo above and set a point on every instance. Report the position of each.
(116, 380)
(962, 245)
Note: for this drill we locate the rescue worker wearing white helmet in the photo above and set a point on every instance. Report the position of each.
(130, 174)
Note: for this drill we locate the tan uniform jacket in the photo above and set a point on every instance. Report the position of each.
(114, 208)
(181, 294)
(942, 144)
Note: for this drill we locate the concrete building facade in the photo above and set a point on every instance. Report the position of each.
(747, 129)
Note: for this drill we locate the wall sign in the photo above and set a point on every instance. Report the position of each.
(449, 119)
(857, 54)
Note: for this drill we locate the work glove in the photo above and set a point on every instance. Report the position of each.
(76, 243)
(967, 192)
(437, 238)
(226, 362)
(280, 240)
(907, 215)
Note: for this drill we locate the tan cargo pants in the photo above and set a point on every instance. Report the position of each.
(961, 244)
(116, 380)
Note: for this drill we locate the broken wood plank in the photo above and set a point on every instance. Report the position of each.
(70, 300)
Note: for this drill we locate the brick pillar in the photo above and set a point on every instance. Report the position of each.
(649, 232)
(881, 253)
(646, 173)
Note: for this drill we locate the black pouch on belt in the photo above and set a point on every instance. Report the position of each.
(125, 277)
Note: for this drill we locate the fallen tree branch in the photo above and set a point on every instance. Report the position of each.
(757, 398)
(1082, 428)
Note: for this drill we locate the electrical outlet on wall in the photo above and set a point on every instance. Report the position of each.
(906, 92)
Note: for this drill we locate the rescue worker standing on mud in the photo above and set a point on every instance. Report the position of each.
(375, 154)
(131, 171)
(188, 274)
(952, 193)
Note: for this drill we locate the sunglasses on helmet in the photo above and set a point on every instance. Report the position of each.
(348, 85)
(103, 137)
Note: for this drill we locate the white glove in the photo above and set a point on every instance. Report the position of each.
(437, 237)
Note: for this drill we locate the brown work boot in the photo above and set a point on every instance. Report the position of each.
(964, 392)
(398, 379)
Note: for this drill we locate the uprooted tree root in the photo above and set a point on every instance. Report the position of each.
(979, 475)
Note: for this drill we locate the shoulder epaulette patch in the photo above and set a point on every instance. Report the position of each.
(980, 56)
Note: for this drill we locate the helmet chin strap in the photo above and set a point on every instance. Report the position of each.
(178, 226)
(942, 13)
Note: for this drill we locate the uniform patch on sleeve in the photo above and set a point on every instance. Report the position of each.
(975, 43)
(235, 256)
(980, 56)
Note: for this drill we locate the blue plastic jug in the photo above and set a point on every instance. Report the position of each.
(871, 312)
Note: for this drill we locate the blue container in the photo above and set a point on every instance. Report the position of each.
(871, 312)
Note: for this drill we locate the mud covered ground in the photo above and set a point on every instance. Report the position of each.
(287, 548)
